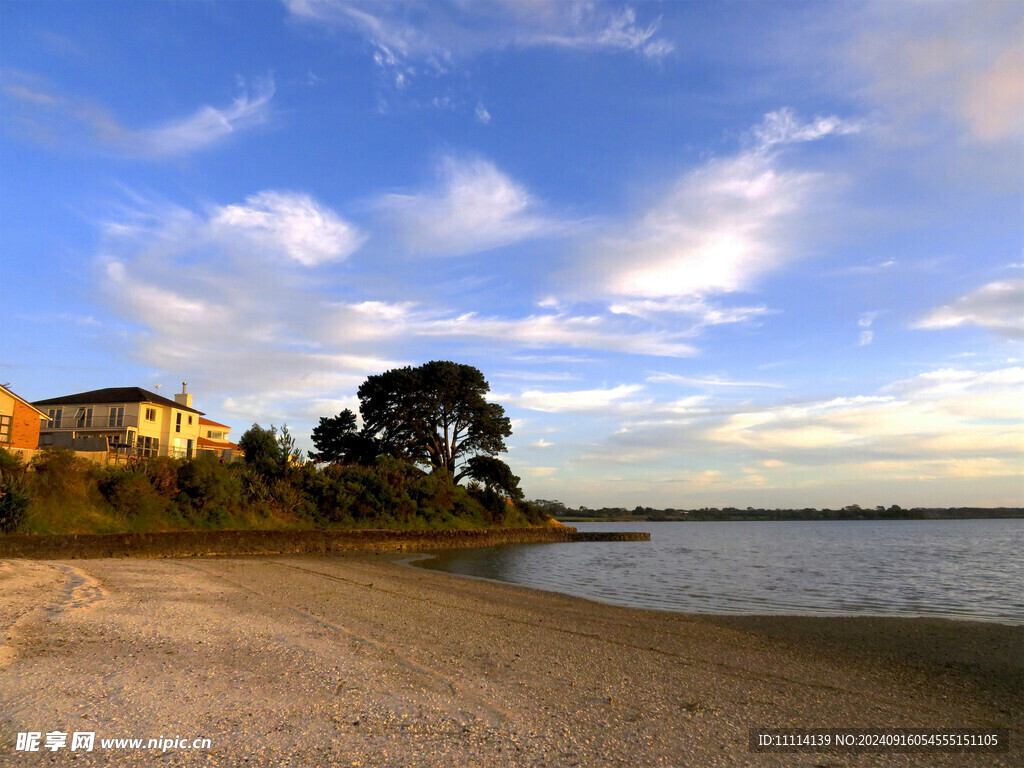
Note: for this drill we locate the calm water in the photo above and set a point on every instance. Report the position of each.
(959, 569)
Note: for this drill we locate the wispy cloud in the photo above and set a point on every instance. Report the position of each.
(440, 32)
(707, 382)
(722, 225)
(784, 127)
(64, 120)
(998, 306)
(474, 207)
(703, 311)
(542, 331)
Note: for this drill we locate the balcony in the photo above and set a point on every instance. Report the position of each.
(94, 422)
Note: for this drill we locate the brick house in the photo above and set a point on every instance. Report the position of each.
(19, 421)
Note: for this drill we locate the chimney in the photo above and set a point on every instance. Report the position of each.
(184, 398)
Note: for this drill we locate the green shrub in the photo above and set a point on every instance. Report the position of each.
(209, 491)
(162, 472)
(132, 496)
(58, 471)
(14, 501)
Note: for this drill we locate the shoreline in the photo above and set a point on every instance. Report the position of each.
(229, 543)
(353, 659)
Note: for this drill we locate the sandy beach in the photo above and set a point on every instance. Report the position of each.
(355, 660)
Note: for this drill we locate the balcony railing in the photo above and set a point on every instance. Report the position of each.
(96, 422)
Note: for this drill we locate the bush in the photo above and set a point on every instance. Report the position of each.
(209, 491)
(132, 496)
(58, 471)
(14, 501)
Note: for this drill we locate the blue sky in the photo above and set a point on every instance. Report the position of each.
(707, 254)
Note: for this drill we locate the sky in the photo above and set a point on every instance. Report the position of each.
(707, 254)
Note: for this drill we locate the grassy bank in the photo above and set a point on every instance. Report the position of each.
(61, 493)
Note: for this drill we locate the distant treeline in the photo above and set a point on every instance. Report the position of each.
(560, 511)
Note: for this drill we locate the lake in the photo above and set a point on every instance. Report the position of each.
(955, 569)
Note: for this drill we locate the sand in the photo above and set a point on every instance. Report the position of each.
(357, 660)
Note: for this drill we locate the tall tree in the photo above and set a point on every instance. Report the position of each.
(338, 441)
(262, 449)
(435, 414)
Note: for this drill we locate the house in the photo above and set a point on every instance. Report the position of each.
(19, 421)
(213, 437)
(127, 420)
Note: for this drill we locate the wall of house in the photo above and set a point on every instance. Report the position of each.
(178, 441)
(24, 423)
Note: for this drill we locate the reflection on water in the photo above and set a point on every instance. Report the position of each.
(960, 569)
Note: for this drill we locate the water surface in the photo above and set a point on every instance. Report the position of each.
(958, 569)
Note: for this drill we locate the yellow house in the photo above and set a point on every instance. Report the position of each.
(124, 419)
(215, 438)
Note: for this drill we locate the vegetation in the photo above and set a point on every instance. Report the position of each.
(435, 415)
(59, 493)
(424, 429)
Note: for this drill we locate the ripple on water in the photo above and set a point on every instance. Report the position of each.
(963, 569)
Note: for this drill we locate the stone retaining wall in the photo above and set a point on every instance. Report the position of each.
(203, 543)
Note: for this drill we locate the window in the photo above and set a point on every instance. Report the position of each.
(151, 414)
(214, 435)
(116, 418)
(5, 429)
(83, 418)
(177, 424)
(55, 414)
(148, 446)
(190, 421)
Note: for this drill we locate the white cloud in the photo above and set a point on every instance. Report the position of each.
(577, 401)
(482, 115)
(441, 32)
(998, 306)
(721, 226)
(63, 119)
(292, 223)
(474, 208)
(704, 312)
(865, 321)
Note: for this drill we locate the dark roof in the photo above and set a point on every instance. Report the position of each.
(115, 395)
